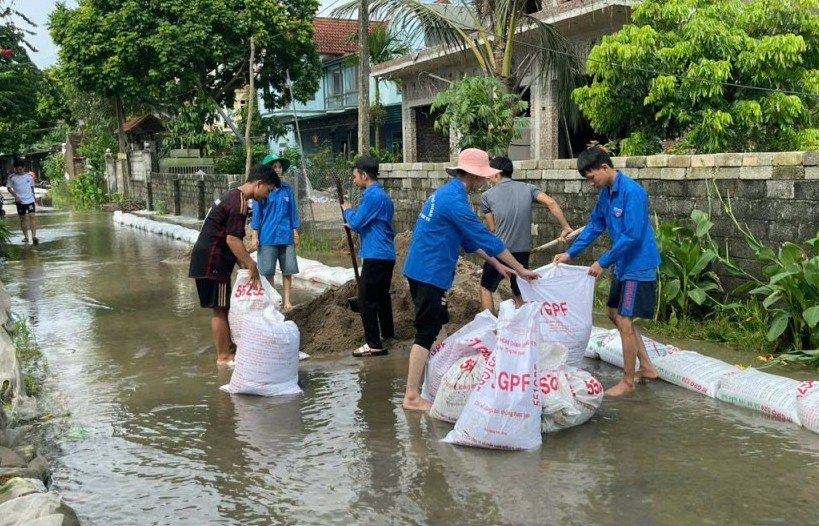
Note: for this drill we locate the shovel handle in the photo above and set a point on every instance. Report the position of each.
(350, 245)
(554, 242)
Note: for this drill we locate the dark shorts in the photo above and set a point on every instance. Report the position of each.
(430, 312)
(491, 278)
(213, 294)
(25, 209)
(634, 299)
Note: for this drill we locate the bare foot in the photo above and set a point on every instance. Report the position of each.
(620, 389)
(224, 363)
(416, 404)
(287, 308)
(647, 373)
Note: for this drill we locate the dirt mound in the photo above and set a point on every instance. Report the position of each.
(328, 326)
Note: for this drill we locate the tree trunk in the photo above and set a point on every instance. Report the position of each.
(123, 145)
(380, 121)
(363, 79)
(251, 99)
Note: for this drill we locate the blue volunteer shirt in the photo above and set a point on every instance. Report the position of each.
(623, 211)
(372, 219)
(446, 222)
(276, 217)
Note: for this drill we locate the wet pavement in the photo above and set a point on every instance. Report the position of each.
(151, 439)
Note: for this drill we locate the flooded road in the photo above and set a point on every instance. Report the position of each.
(151, 439)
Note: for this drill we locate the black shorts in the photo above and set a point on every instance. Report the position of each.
(491, 278)
(213, 294)
(25, 209)
(430, 312)
(634, 299)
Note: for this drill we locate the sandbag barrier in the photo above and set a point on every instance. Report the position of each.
(309, 270)
(777, 396)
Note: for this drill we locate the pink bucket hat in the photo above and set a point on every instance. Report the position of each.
(473, 161)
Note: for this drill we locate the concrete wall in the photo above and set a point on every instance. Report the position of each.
(776, 194)
(184, 194)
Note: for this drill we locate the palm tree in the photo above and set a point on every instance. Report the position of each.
(493, 31)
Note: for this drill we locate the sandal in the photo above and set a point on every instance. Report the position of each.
(25, 240)
(365, 350)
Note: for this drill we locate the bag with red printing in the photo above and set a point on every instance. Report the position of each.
(475, 338)
(245, 299)
(456, 386)
(596, 338)
(565, 294)
(771, 394)
(503, 412)
(611, 349)
(807, 404)
(692, 370)
(267, 358)
(570, 396)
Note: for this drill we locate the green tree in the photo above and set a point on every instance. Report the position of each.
(178, 52)
(482, 112)
(727, 75)
(491, 30)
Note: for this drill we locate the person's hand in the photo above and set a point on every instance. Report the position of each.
(527, 274)
(564, 234)
(254, 242)
(596, 270)
(253, 273)
(563, 257)
(505, 271)
(345, 205)
(295, 237)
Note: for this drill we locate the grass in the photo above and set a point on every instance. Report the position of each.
(29, 354)
(313, 244)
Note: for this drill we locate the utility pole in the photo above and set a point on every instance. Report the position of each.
(250, 105)
(363, 79)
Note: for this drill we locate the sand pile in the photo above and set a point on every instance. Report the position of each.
(328, 325)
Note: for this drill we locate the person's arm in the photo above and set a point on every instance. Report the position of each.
(593, 229)
(557, 212)
(506, 264)
(366, 212)
(294, 217)
(10, 188)
(474, 234)
(490, 221)
(238, 248)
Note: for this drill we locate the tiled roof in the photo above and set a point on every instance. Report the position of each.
(332, 35)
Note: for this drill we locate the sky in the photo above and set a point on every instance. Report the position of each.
(38, 11)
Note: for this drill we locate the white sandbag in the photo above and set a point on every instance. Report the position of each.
(773, 395)
(503, 411)
(807, 404)
(611, 350)
(570, 397)
(244, 299)
(267, 358)
(476, 337)
(565, 294)
(692, 370)
(596, 338)
(455, 387)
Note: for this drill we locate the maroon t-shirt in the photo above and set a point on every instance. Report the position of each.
(211, 257)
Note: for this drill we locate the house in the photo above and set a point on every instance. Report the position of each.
(424, 74)
(331, 117)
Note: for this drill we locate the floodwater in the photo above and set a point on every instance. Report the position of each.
(151, 439)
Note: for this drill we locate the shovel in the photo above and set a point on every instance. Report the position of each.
(352, 302)
(572, 235)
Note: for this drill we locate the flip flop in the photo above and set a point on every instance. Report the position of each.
(365, 350)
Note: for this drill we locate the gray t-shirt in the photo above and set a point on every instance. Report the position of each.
(510, 203)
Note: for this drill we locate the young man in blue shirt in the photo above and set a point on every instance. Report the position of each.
(275, 234)
(622, 210)
(372, 220)
(447, 223)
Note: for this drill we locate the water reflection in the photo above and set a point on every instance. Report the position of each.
(162, 445)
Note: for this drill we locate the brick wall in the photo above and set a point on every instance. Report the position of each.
(189, 189)
(775, 194)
